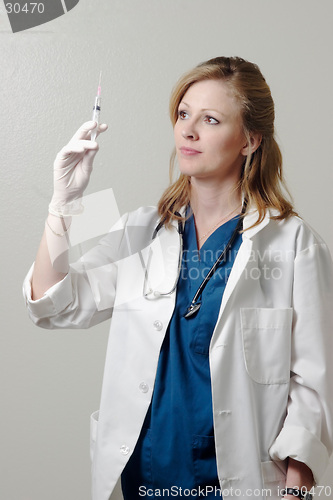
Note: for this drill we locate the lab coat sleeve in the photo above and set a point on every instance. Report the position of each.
(86, 295)
(307, 432)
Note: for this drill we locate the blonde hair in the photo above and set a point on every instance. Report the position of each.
(262, 178)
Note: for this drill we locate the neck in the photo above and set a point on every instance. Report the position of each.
(213, 204)
(212, 201)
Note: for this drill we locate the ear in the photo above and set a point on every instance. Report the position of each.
(254, 143)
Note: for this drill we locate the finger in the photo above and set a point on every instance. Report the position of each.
(101, 128)
(85, 144)
(90, 155)
(87, 165)
(76, 147)
(83, 131)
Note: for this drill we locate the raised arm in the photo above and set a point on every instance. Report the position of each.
(72, 168)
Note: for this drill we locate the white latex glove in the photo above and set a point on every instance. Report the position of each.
(72, 168)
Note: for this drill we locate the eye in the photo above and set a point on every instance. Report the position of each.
(182, 114)
(211, 121)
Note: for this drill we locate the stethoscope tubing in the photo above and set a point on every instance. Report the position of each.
(195, 303)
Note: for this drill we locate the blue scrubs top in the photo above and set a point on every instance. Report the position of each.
(176, 449)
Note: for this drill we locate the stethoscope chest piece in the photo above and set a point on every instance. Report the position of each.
(192, 310)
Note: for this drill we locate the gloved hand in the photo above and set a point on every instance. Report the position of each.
(72, 168)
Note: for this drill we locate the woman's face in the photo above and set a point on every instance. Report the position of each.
(209, 137)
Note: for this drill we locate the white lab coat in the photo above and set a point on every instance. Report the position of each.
(270, 353)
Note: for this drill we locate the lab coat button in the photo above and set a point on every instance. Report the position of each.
(144, 387)
(158, 325)
(124, 449)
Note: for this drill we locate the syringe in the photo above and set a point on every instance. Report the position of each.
(97, 109)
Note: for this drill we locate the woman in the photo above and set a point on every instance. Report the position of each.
(217, 378)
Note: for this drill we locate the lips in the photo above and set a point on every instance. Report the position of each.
(189, 151)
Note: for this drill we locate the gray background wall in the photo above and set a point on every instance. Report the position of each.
(50, 381)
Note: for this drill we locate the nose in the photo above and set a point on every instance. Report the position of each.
(189, 131)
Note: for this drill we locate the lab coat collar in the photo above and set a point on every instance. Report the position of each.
(250, 218)
(173, 222)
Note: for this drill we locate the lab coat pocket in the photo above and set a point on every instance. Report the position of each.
(267, 343)
(274, 479)
(93, 432)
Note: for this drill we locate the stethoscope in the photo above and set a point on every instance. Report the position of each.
(148, 292)
(195, 304)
